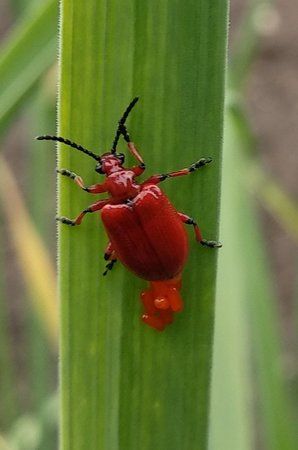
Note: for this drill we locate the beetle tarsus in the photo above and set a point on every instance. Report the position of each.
(67, 173)
(201, 163)
(109, 266)
(66, 221)
(190, 221)
(211, 244)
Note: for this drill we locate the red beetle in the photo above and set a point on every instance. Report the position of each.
(146, 232)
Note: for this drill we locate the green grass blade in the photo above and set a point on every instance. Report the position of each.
(26, 55)
(40, 115)
(33, 257)
(10, 407)
(231, 413)
(247, 322)
(4, 444)
(31, 431)
(248, 38)
(279, 426)
(123, 385)
(274, 198)
(276, 413)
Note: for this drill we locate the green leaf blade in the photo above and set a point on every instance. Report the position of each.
(26, 56)
(123, 384)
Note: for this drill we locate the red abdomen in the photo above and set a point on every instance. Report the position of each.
(147, 235)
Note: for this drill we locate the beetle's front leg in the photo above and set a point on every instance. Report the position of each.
(131, 146)
(155, 179)
(93, 189)
(109, 255)
(138, 170)
(189, 221)
(92, 208)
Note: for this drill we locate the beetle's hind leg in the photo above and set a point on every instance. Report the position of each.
(189, 221)
(109, 266)
(110, 256)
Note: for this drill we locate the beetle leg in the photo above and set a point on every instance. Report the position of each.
(138, 170)
(189, 221)
(93, 189)
(108, 251)
(131, 146)
(92, 208)
(155, 179)
(109, 255)
(109, 266)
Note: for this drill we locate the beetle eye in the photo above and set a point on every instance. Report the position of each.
(98, 168)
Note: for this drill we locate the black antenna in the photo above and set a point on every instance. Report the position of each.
(122, 122)
(70, 143)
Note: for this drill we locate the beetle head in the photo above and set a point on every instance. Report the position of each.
(109, 163)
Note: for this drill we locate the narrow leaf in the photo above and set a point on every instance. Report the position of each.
(125, 386)
(247, 337)
(25, 56)
(33, 257)
(231, 395)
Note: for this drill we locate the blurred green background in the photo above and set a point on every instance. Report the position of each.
(255, 379)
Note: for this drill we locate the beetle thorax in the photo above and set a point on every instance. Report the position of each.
(121, 185)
